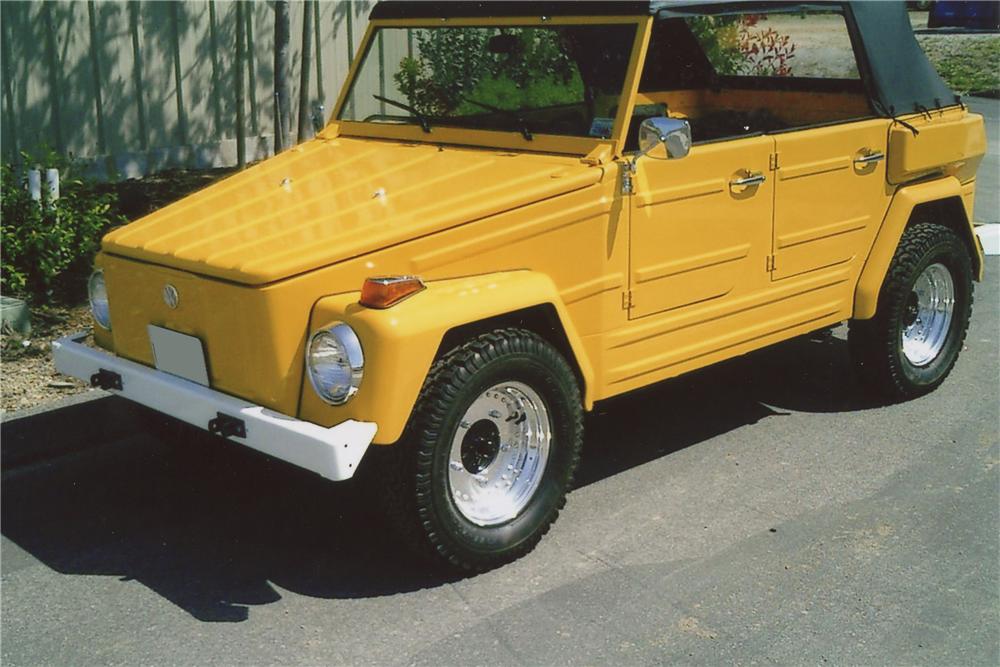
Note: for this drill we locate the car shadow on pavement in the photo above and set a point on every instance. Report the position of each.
(811, 373)
(215, 528)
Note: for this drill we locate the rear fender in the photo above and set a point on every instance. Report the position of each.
(948, 201)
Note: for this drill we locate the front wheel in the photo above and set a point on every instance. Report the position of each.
(914, 340)
(490, 451)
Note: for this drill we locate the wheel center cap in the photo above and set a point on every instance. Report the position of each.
(480, 446)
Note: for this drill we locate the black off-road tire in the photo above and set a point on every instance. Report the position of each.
(413, 474)
(876, 344)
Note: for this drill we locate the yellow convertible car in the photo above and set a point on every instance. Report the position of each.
(518, 210)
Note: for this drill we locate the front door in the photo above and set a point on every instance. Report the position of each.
(701, 226)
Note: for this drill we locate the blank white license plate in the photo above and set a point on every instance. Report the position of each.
(178, 354)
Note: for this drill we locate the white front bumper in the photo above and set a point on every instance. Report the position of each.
(332, 452)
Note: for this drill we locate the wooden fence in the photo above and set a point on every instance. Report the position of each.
(136, 87)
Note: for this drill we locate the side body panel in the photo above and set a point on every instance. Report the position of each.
(668, 344)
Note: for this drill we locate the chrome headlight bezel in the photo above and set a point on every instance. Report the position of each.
(349, 360)
(97, 296)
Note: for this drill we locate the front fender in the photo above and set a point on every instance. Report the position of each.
(400, 343)
(898, 216)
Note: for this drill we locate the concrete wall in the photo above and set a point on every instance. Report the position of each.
(70, 80)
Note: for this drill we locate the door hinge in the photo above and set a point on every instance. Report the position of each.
(769, 263)
(627, 300)
(772, 162)
(628, 174)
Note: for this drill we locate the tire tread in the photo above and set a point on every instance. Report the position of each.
(406, 481)
(873, 342)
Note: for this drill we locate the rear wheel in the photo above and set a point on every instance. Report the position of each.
(490, 451)
(914, 340)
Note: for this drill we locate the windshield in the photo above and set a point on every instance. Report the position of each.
(561, 80)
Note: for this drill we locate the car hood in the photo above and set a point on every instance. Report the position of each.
(331, 199)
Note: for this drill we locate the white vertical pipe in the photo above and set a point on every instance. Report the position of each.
(35, 184)
(52, 179)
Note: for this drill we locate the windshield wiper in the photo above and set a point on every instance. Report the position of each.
(424, 125)
(525, 132)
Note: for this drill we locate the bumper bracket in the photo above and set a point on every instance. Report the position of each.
(105, 379)
(227, 426)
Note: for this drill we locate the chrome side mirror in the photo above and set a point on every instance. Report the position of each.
(673, 134)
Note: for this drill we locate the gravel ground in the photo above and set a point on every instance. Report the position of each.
(29, 378)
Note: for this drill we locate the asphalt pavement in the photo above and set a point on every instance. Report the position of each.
(761, 510)
(987, 205)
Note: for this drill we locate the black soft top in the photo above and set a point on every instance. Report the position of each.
(899, 77)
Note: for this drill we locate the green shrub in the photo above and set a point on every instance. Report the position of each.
(48, 248)
(454, 65)
(968, 63)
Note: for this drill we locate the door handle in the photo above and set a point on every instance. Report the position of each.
(750, 179)
(869, 157)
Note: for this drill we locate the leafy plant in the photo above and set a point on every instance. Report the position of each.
(455, 65)
(48, 246)
(766, 52)
(719, 38)
(505, 93)
(740, 46)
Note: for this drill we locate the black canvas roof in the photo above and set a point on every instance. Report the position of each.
(398, 9)
(899, 77)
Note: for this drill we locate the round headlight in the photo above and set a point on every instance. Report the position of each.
(335, 363)
(97, 293)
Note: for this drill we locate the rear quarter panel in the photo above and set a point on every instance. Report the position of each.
(952, 142)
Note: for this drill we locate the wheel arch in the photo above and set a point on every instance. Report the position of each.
(542, 319)
(401, 343)
(944, 201)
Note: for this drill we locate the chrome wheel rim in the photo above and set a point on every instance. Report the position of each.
(928, 313)
(498, 453)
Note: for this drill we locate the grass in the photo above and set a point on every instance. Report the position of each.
(969, 64)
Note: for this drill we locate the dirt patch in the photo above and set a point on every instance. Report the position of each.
(692, 626)
(29, 377)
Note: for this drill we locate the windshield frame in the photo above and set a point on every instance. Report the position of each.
(546, 143)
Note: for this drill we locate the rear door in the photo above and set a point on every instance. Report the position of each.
(830, 188)
(830, 193)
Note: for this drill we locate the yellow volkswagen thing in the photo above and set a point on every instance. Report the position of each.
(519, 210)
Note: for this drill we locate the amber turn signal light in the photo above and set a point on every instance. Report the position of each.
(387, 291)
